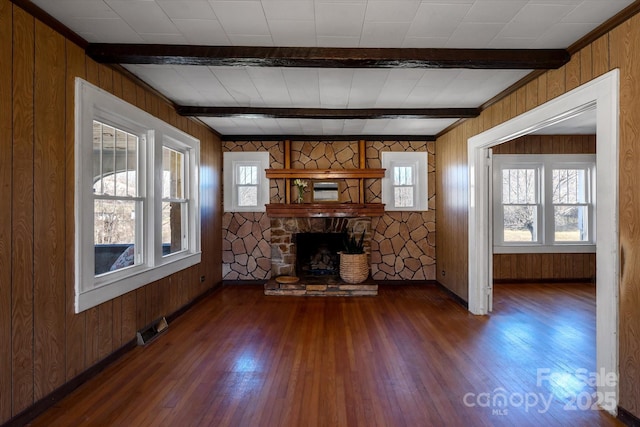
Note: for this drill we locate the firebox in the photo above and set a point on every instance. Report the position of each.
(317, 254)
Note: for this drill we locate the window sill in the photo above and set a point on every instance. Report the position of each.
(544, 249)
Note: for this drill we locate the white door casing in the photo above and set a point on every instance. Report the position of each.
(602, 94)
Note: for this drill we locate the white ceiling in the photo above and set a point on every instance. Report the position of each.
(513, 24)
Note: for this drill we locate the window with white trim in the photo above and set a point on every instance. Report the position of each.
(246, 187)
(404, 187)
(126, 236)
(544, 203)
(175, 198)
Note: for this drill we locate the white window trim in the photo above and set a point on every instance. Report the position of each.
(93, 103)
(253, 158)
(543, 163)
(419, 160)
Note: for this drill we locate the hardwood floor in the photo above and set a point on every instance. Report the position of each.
(409, 357)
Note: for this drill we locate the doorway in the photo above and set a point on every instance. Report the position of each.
(602, 94)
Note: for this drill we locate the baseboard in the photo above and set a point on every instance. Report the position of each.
(453, 296)
(406, 282)
(33, 411)
(61, 392)
(628, 418)
(243, 282)
(179, 312)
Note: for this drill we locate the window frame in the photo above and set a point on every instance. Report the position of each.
(93, 103)
(538, 169)
(545, 165)
(418, 161)
(231, 161)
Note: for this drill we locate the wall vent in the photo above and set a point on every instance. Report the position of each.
(152, 331)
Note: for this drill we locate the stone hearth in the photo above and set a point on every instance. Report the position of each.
(331, 287)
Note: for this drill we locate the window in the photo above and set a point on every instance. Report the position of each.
(543, 203)
(116, 196)
(571, 205)
(175, 204)
(404, 187)
(247, 185)
(126, 236)
(520, 204)
(246, 188)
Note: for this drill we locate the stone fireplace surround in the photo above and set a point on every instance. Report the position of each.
(283, 255)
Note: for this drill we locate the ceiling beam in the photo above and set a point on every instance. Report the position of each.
(330, 113)
(328, 138)
(252, 56)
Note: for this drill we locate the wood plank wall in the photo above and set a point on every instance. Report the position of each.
(45, 344)
(549, 144)
(546, 266)
(616, 49)
(624, 42)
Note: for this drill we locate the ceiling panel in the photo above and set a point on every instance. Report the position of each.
(268, 126)
(477, 24)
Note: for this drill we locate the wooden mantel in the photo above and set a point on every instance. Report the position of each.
(325, 173)
(323, 210)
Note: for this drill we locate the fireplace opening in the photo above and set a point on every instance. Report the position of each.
(317, 254)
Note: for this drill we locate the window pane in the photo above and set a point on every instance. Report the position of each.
(519, 186)
(115, 161)
(97, 157)
(247, 175)
(124, 183)
(248, 196)
(403, 197)
(132, 165)
(172, 174)
(569, 186)
(172, 232)
(114, 229)
(520, 224)
(402, 175)
(571, 223)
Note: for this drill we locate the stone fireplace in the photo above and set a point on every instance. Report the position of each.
(284, 231)
(307, 248)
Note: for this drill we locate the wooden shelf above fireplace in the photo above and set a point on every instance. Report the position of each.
(325, 173)
(324, 210)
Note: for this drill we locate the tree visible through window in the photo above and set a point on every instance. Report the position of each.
(116, 196)
(403, 186)
(137, 210)
(247, 185)
(520, 203)
(570, 205)
(543, 200)
(174, 202)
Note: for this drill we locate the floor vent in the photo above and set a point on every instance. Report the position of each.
(151, 332)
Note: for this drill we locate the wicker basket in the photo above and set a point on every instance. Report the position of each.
(354, 268)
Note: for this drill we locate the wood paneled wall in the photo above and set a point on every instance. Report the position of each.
(452, 210)
(544, 267)
(624, 55)
(616, 49)
(549, 144)
(44, 343)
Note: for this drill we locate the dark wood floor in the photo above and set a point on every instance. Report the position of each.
(409, 357)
